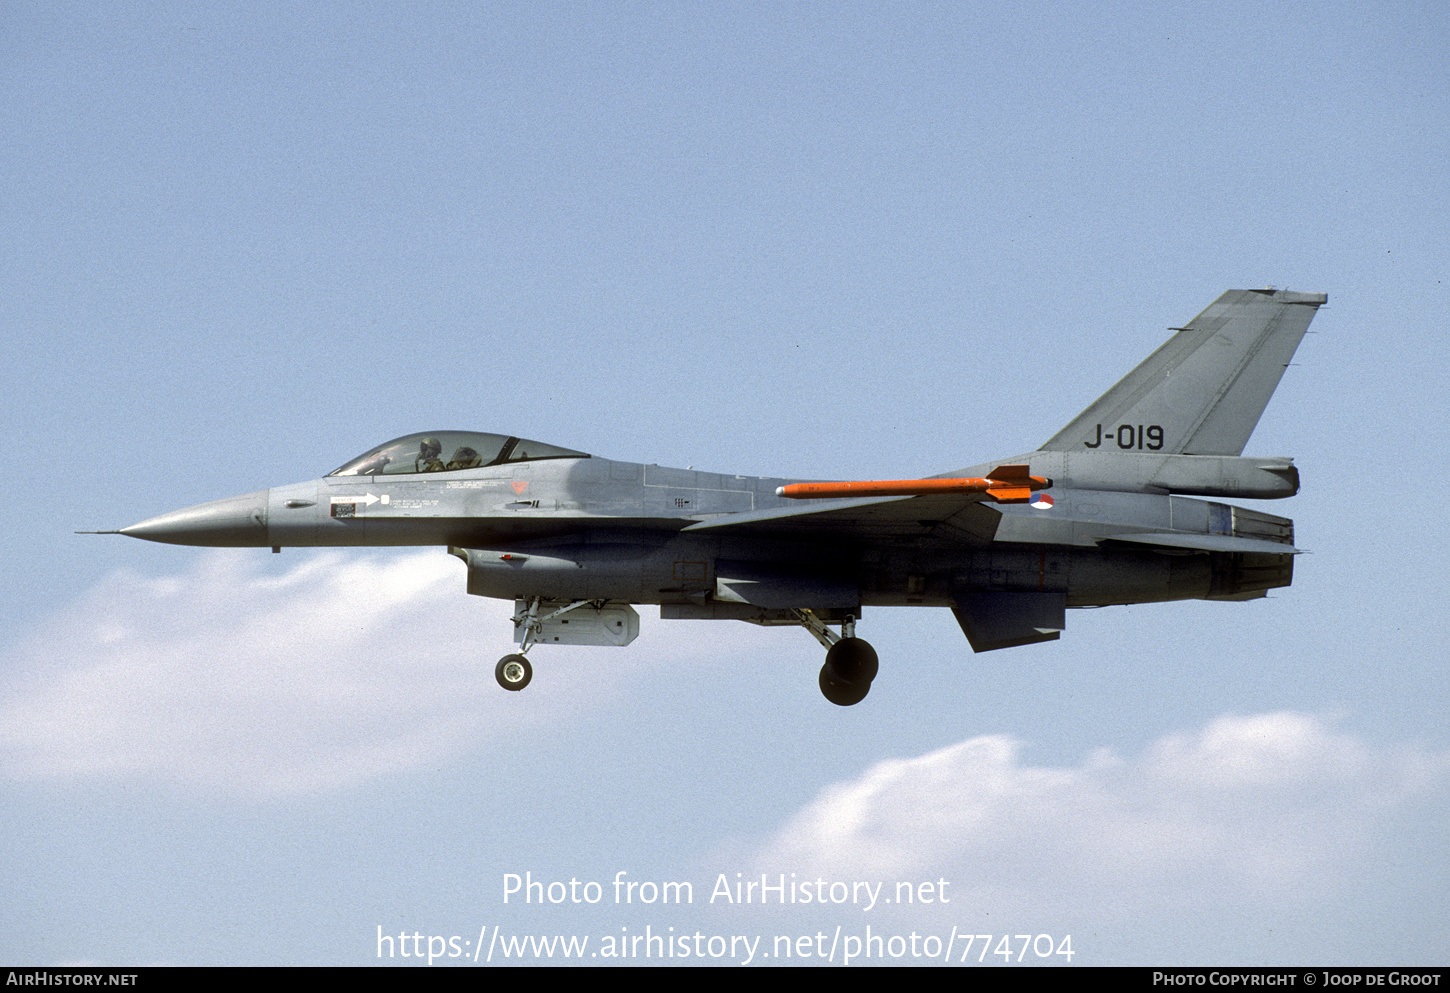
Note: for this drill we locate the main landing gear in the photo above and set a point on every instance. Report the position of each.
(851, 662)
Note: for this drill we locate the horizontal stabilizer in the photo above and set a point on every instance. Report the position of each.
(1202, 543)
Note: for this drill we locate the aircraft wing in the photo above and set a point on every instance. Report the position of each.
(957, 519)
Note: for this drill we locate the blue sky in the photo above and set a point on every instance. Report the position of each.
(247, 243)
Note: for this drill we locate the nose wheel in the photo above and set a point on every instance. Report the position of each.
(513, 672)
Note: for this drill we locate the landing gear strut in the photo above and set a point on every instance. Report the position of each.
(513, 672)
(851, 662)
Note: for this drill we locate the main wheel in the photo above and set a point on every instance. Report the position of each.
(839, 691)
(850, 666)
(513, 672)
(853, 660)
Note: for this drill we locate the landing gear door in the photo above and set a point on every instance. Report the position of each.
(613, 624)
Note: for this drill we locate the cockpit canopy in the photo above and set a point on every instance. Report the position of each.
(448, 451)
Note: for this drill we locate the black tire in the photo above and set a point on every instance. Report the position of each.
(841, 692)
(513, 672)
(853, 660)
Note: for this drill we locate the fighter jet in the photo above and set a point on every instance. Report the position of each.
(1104, 513)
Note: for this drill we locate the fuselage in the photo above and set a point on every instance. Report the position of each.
(588, 528)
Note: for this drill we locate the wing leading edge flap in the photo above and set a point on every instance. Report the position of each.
(956, 518)
(1006, 619)
(787, 514)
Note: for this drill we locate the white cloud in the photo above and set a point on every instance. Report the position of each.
(342, 667)
(1263, 806)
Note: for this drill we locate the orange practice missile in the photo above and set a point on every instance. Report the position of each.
(1005, 484)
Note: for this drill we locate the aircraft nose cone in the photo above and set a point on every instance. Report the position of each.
(237, 521)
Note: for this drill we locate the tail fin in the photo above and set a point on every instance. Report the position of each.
(1204, 390)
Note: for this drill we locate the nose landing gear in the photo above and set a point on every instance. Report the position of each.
(513, 672)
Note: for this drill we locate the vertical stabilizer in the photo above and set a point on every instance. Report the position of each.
(1204, 390)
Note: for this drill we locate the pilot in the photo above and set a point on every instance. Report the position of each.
(464, 458)
(428, 460)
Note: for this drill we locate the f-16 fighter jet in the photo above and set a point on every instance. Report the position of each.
(1108, 511)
